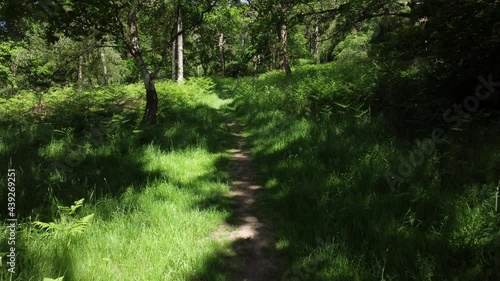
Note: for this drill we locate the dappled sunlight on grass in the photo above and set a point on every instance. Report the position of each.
(325, 156)
(159, 192)
(156, 192)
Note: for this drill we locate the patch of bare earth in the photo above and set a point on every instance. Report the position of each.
(254, 257)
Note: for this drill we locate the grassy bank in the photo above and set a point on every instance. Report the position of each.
(348, 194)
(156, 193)
(325, 149)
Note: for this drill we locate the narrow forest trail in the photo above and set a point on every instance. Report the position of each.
(254, 256)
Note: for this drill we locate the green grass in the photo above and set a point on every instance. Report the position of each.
(159, 232)
(156, 192)
(323, 151)
(323, 145)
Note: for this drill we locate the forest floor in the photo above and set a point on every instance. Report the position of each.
(254, 257)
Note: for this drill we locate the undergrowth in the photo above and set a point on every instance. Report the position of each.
(331, 160)
(326, 160)
(153, 194)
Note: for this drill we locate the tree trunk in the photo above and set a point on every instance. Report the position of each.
(174, 64)
(180, 51)
(151, 103)
(283, 49)
(13, 69)
(221, 54)
(317, 43)
(243, 44)
(151, 95)
(273, 61)
(87, 59)
(80, 74)
(282, 28)
(104, 69)
(256, 62)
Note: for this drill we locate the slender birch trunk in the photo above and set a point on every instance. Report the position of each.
(180, 51)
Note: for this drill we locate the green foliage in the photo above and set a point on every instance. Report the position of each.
(323, 154)
(435, 44)
(324, 139)
(160, 190)
(9, 51)
(354, 47)
(298, 44)
(338, 87)
(67, 225)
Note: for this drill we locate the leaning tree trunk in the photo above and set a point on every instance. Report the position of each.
(151, 95)
(180, 50)
(221, 55)
(151, 102)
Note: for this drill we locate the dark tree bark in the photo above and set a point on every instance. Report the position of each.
(174, 63)
(205, 69)
(151, 104)
(151, 95)
(273, 60)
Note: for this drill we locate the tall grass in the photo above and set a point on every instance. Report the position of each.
(323, 154)
(156, 192)
(323, 147)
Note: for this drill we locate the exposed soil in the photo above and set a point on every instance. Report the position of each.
(255, 258)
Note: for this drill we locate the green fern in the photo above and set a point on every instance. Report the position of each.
(71, 228)
(67, 225)
(71, 210)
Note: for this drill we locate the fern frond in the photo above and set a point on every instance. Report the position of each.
(71, 210)
(67, 225)
(51, 226)
(81, 225)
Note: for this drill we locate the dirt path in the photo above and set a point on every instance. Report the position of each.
(253, 244)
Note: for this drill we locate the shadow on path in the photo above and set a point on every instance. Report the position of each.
(251, 256)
